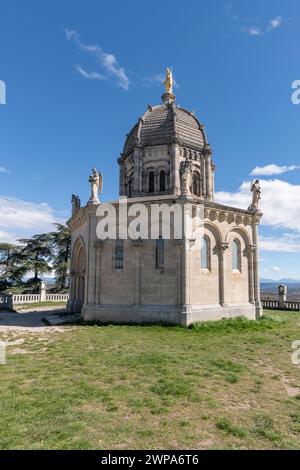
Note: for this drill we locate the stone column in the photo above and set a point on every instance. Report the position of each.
(203, 169)
(10, 301)
(208, 177)
(179, 257)
(221, 249)
(141, 170)
(138, 244)
(121, 176)
(175, 176)
(99, 244)
(213, 169)
(91, 259)
(252, 249)
(136, 172)
(156, 182)
(255, 222)
(282, 295)
(43, 291)
(70, 303)
(186, 248)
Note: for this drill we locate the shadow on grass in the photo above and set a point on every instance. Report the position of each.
(239, 324)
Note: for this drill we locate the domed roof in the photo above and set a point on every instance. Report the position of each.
(165, 124)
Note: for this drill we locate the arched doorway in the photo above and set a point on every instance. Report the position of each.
(78, 272)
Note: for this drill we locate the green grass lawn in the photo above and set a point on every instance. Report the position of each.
(228, 385)
(40, 304)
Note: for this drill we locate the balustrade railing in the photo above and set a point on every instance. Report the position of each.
(8, 301)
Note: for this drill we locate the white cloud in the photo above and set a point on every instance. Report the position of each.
(108, 62)
(20, 218)
(275, 23)
(90, 75)
(3, 169)
(280, 205)
(276, 269)
(157, 78)
(254, 31)
(7, 237)
(272, 24)
(287, 243)
(228, 7)
(273, 169)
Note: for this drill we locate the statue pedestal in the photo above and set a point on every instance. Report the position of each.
(93, 201)
(185, 197)
(168, 98)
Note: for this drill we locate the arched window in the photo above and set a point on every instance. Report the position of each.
(119, 254)
(196, 184)
(236, 255)
(151, 182)
(159, 253)
(205, 253)
(162, 180)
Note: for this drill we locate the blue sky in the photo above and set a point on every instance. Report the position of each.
(68, 108)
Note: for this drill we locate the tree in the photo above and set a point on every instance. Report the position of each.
(10, 270)
(61, 247)
(35, 256)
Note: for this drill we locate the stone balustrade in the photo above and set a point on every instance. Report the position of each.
(277, 305)
(8, 301)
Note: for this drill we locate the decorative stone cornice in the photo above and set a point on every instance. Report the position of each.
(78, 219)
(231, 216)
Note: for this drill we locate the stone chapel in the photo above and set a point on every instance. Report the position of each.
(166, 159)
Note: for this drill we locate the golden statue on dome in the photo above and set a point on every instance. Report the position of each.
(168, 97)
(169, 81)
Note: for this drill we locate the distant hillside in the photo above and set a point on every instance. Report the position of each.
(269, 288)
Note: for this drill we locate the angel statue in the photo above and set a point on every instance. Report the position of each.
(96, 186)
(256, 196)
(169, 81)
(185, 177)
(75, 203)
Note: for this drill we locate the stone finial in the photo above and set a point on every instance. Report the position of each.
(282, 293)
(76, 204)
(256, 196)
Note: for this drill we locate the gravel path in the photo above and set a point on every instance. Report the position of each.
(31, 320)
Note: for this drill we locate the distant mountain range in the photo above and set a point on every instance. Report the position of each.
(269, 288)
(280, 281)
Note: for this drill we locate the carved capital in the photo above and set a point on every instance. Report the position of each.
(137, 243)
(257, 217)
(178, 243)
(191, 242)
(223, 246)
(99, 244)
